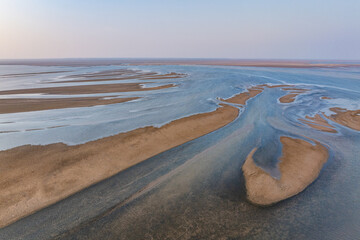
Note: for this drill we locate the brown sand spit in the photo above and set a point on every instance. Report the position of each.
(87, 89)
(325, 98)
(299, 165)
(347, 118)
(290, 97)
(33, 177)
(318, 123)
(14, 105)
(242, 98)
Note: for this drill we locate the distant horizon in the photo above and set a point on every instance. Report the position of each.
(183, 58)
(58, 29)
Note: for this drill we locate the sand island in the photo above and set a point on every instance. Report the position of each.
(299, 165)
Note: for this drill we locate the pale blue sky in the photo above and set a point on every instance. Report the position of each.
(290, 29)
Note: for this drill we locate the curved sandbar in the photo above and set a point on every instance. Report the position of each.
(300, 164)
(37, 176)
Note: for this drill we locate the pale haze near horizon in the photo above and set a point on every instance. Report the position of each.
(180, 29)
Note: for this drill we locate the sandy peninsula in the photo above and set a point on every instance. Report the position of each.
(300, 165)
(37, 176)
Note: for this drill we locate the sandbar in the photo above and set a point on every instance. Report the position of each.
(300, 165)
(117, 77)
(14, 105)
(290, 97)
(325, 98)
(347, 118)
(30, 74)
(243, 97)
(87, 89)
(37, 176)
(319, 123)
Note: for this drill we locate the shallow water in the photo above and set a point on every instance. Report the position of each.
(197, 190)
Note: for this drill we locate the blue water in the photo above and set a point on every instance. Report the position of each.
(196, 93)
(205, 195)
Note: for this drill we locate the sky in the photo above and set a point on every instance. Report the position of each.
(246, 29)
